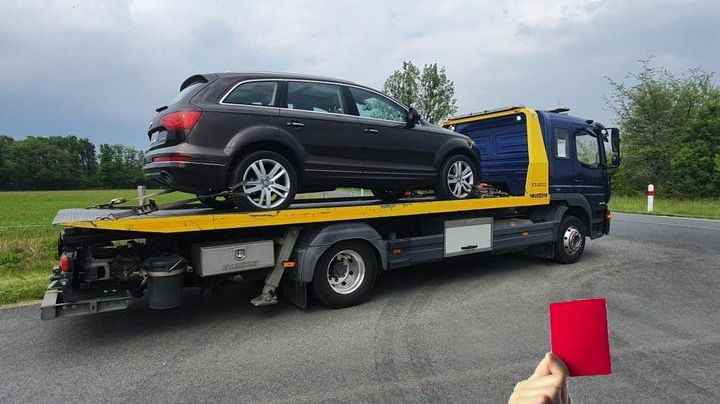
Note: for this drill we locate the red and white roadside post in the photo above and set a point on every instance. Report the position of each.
(651, 198)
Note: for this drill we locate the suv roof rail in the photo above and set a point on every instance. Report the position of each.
(560, 110)
(486, 112)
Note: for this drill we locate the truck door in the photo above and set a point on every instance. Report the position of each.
(590, 177)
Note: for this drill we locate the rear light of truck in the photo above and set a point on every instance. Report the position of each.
(181, 121)
(64, 263)
(176, 158)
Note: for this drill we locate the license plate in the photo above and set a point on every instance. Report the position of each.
(158, 138)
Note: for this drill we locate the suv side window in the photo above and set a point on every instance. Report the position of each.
(258, 93)
(317, 97)
(586, 147)
(372, 105)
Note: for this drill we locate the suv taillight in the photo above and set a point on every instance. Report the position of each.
(181, 121)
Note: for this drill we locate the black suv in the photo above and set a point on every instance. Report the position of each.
(269, 136)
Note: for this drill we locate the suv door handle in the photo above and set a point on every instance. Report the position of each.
(294, 124)
(371, 131)
(578, 179)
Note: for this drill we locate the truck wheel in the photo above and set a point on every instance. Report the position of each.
(345, 274)
(457, 178)
(570, 243)
(269, 181)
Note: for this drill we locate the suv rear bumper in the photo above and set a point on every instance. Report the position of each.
(203, 173)
(189, 176)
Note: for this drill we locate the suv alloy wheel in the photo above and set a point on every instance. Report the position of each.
(457, 178)
(268, 181)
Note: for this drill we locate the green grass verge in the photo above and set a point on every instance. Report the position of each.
(28, 240)
(702, 208)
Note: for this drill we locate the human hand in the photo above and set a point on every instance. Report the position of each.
(547, 385)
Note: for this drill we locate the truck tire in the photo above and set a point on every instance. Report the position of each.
(345, 274)
(570, 242)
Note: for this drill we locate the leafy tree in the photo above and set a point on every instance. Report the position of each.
(5, 144)
(120, 166)
(429, 91)
(35, 163)
(669, 135)
(66, 162)
(404, 84)
(695, 166)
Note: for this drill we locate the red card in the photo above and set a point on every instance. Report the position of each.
(579, 336)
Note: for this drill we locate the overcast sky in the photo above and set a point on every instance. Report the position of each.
(98, 69)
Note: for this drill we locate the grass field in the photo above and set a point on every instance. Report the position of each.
(27, 239)
(705, 208)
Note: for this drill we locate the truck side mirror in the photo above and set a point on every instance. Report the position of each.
(412, 118)
(615, 144)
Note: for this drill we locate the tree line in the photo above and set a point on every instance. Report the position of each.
(67, 162)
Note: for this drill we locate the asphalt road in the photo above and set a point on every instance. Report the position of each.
(463, 331)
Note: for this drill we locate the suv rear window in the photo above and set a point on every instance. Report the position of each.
(187, 91)
(258, 93)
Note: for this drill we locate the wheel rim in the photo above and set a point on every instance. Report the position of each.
(266, 183)
(346, 272)
(460, 179)
(572, 240)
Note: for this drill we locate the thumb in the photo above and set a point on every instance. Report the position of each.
(543, 368)
(556, 366)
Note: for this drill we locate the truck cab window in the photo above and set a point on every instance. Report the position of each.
(586, 147)
(561, 143)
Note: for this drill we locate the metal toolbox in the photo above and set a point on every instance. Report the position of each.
(468, 236)
(210, 259)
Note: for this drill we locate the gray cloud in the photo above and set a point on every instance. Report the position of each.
(99, 69)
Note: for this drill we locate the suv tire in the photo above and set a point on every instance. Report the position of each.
(454, 181)
(271, 181)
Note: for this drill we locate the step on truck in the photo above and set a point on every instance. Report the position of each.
(545, 189)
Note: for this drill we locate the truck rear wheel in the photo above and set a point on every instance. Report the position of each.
(570, 243)
(345, 274)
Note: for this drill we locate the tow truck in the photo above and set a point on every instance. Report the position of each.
(546, 188)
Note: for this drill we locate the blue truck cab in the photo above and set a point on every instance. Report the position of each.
(581, 154)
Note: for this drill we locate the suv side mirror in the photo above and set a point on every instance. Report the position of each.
(615, 145)
(412, 118)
